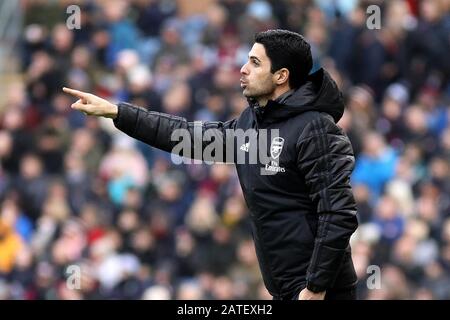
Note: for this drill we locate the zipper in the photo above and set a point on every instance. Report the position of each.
(259, 114)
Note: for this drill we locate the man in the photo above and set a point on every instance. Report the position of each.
(301, 203)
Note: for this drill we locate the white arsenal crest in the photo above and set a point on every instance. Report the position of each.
(276, 146)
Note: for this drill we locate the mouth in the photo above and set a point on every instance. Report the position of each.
(243, 83)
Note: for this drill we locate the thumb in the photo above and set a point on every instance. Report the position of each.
(81, 106)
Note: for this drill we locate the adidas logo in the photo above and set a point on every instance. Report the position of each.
(245, 146)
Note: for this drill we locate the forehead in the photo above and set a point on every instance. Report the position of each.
(259, 52)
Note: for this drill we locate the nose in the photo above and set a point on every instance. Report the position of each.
(244, 69)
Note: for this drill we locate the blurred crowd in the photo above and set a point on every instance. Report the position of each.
(74, 191)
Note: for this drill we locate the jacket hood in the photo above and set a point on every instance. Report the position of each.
(319, 93)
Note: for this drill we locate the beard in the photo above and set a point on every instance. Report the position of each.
(264, 89)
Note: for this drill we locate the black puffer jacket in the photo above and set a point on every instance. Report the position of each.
(301, 202)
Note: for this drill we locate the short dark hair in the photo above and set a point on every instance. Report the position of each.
(287, 49)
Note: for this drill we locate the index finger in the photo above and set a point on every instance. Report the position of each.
(76, 93)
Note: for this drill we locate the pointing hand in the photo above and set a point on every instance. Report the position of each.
(92, 105)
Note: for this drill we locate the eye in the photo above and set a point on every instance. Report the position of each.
(255, 62)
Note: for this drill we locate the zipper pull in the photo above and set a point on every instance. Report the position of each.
(259, 112)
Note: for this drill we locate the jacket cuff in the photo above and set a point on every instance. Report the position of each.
(126, 117)
(315, 288)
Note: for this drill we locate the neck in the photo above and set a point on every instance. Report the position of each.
(262, 101)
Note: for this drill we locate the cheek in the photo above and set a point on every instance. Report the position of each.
(261, 79)
(265, 81)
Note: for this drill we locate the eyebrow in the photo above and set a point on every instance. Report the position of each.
(254, 57)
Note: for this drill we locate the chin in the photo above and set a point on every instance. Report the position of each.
(247, 93)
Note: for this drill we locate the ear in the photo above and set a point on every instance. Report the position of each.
(282, 76)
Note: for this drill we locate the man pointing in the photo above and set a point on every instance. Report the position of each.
(301, 203)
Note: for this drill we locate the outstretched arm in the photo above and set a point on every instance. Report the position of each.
(163, 131)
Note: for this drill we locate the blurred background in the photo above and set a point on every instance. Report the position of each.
(76, 191)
